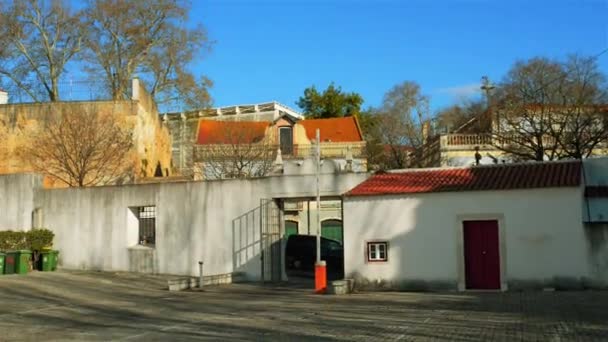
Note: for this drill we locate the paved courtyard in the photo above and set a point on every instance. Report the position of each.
(87, 306)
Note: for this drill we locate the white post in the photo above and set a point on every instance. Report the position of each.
(318, 196)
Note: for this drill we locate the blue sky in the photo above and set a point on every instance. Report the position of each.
(272, 50)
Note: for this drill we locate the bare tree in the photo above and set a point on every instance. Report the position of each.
(81, 147)
(147, 39)
(238, 150)
(403, 122)
(551, 110)
(37, 40)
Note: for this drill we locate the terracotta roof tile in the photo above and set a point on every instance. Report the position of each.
(343, 129)
(230, 132)
(491, 177)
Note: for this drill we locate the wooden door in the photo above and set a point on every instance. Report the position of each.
(481, 254)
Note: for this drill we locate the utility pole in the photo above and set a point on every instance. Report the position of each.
(318, 176)
(487, 87)
(320, 266)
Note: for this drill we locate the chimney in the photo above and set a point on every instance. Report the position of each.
(3, 97)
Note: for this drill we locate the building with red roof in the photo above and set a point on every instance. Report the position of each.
(288, 143)
(491, 227)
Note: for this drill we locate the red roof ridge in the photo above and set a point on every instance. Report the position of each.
(526, 175)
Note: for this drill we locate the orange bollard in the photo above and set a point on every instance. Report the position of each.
(320, 277)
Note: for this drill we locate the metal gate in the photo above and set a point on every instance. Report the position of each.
(270, 224)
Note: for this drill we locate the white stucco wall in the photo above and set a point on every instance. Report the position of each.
(17, 200)
(541, 233)
(214, 221)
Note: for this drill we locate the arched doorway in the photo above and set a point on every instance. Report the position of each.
(332, 229)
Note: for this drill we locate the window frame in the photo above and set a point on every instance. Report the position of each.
(375, 244)
(146, 219)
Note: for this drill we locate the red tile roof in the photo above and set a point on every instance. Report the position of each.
(490, 177)
(344, 129)
(230, 132)
(596, 191)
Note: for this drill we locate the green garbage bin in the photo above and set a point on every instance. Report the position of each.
(54, 260)
(10, 259)
(45, 261)
(22, 261)
(1, 263)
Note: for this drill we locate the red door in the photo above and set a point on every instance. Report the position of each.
(481, 256)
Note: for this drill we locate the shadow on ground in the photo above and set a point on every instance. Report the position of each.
(123, 306)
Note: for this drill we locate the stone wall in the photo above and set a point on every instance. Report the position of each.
(19, 123)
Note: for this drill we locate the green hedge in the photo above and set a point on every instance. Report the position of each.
(35, 239)
(39, 238)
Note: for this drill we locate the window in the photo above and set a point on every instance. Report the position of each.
(377, 251)
(286, 140)
(291, 228)
(147, 225)
(332, 229)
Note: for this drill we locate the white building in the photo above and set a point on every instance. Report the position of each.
(489, 227)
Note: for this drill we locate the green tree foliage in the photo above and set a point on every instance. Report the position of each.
(331, 103)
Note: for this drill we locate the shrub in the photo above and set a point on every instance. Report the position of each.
(39, 238)
(11, 240)
(35, 239)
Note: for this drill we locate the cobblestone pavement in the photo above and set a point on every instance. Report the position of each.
(87, 306)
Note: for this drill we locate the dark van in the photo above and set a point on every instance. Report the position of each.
(301, 255)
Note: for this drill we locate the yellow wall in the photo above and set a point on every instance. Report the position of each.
(152, 142)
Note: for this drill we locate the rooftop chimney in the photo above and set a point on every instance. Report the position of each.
(3, 97)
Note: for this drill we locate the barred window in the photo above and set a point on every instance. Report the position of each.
(147, 225)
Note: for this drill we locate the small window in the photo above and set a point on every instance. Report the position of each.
(377, 251)
(286, 140)
(147, 225)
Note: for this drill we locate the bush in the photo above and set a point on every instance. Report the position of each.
(39, 238)
(10, 240)
(35, 239)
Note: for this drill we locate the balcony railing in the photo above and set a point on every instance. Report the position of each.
(328, 150)
(470, 141)
(262, 151)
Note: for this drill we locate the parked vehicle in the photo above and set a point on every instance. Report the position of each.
(301, 255)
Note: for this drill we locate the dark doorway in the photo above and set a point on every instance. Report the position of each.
(286, 140)
(481, 255)
(158, 172)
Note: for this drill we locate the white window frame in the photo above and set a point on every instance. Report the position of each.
(374, 251)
